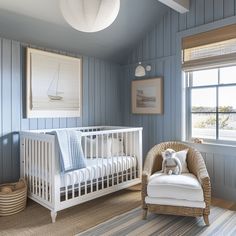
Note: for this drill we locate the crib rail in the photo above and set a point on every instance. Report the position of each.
(113, 157)
(38, 165)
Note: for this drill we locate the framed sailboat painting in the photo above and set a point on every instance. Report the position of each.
(54, 85)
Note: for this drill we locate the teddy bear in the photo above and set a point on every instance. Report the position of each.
(171, 164)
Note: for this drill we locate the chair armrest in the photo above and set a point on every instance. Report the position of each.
(200, 170)
(204, 179)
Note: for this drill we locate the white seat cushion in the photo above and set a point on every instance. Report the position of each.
(181, 187)
(174, 202)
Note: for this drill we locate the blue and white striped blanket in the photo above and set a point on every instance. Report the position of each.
(71, 153)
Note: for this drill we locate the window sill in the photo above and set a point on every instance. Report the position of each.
(212, 144)
(217, 148)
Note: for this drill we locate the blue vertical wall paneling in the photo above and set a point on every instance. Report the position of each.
(159, 44)
(97, 74)
(158, 47)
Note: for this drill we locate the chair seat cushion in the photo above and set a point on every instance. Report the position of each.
(183, 187)
(175, 202)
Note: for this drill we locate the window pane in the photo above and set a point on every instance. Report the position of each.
(228, 75)
(205, 77)
(204, 126)
(227, 103)
(227, 126)
(204, 100)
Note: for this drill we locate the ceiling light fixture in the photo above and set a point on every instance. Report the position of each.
(90, 15)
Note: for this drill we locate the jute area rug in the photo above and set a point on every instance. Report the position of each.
(222, 222)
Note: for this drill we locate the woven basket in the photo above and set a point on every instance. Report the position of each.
(13, 197)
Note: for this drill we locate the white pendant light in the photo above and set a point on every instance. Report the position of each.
(140, 70)
(90, 15)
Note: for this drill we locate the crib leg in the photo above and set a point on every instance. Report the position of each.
(53, 216)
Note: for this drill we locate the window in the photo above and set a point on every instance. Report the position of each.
(211, 102)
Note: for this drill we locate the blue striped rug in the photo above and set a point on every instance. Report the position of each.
(223, 222)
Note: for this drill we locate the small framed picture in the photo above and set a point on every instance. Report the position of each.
(147, 96)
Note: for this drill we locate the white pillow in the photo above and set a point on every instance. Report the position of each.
(182, 156)
(103, 148)
(117, 147)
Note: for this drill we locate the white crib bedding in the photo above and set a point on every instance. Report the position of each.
(97, 168)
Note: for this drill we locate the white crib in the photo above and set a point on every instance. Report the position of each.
(106, 170)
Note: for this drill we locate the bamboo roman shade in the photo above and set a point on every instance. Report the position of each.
(210, 49)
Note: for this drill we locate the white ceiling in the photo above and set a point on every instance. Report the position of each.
(40, 22)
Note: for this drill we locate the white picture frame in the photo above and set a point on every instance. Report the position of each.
(54, 85)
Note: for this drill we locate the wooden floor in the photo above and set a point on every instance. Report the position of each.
(35, 220)
(224, 204)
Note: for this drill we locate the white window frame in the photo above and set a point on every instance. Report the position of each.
(188, 102)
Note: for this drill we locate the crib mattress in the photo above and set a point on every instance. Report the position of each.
(97, 168)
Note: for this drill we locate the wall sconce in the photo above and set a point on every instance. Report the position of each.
(140, 70)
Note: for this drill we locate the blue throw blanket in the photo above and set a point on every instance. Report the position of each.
(71, 153)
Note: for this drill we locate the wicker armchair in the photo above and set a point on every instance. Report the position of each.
(196, 166)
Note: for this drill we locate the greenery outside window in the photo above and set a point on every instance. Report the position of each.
(211, 104)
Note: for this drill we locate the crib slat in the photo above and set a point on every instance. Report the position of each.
(26, 159)
(79, 184)
(131, 150)
(66, 189)
(112, 163)
(85, 148)
(46, 169)
(35, 167)
(102, 151)
(91, 170)
(126, 159)
(135, 161)
(50, 171)
(30, 167)
(29, 164)
(73, 185)
(85, 172)
(43, 172)
(129, 154)
(122, 160)
(97, 166)
(40, 168)
(117, 160)
(107, 156)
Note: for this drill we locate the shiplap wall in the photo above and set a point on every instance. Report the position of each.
(101, 104)
(158, 48)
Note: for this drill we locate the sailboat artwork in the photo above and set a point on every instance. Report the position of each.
(53, 92)
(54, 85)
